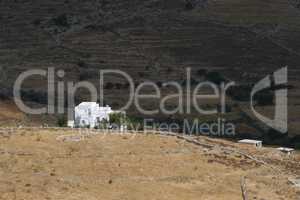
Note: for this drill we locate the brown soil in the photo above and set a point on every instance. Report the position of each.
(38, 164)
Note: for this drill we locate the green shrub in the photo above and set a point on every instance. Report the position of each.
(117, 118)
(62, 121)
(103, 124)
(133, 123)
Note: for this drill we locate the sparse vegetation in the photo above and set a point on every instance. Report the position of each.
(117, 118)
(133, 123)
(103, 124)
(61, 121)
(101, 158)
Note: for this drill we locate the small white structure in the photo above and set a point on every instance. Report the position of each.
(256, 143)
(288, 151)
(71, 124)
(90, 114)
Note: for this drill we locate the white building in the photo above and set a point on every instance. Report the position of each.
(255, 143)
(90, 114)
(288, 151)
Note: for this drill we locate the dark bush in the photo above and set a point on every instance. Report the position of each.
(117, 118)
(61, 121)
(61, 20)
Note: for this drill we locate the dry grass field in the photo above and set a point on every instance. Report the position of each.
(45, 164)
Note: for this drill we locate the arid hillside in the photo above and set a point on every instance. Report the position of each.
(149, 39)
(64, 164)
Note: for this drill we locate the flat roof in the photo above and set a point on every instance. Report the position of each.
(250, 141)
(285, 149)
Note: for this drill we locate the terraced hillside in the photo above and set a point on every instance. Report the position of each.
(151, 40)
(153, 37)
